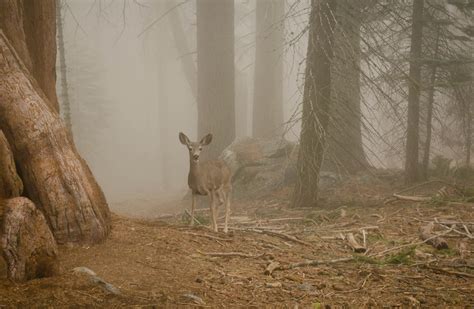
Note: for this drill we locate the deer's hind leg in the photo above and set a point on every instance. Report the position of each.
(227, 208)
(212, 205)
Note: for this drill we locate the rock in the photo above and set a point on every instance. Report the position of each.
(26, 242)
(258, 165)
(97, 280)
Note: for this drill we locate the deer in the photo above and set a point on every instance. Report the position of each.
(211, 178)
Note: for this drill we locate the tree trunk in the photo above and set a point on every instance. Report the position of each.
(39, 23)
(468, 134)
(411, 158)
(215, 63)
(345, 152)
(316, 102)
(66, 104)
(55, 177)
(26, 242)
(181, 42)
(268, 81)
(10, 183)
(31, 28)
(429, 112)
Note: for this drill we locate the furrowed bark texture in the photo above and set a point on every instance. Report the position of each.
(55, 177)
(26, 242)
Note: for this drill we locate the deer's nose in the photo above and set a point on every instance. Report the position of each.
(195, 156)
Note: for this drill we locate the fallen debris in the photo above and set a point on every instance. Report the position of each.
(426, 234)
(271, 267)
(356, 247)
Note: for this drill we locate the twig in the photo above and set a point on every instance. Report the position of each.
(313, 263)
(285, 236)
(412, 198)
(408, 245)
(457, 273)
(231, 254)
(209, 236)
(192, 217)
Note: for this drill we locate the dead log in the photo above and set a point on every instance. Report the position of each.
(356, 247)
(10, 183)
(55, 177)
(426, 234)
(26, 242)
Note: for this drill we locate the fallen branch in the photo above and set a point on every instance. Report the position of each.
(192, 217)
(412, 198)
(452, 272)
(313, 263)
(209, 236)
(356, 247)
(284, 236)
(231, 254)
(408, 245)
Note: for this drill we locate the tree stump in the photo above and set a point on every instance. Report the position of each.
(26, 242)
(55, 177)
(10, 183)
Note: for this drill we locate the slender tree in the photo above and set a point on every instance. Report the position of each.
(316, 101)
(215, 69)
(411, 157)
(345, 152)
(268, 80)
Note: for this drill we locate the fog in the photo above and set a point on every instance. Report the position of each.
(129, 95)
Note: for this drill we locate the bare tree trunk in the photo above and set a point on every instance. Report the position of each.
(181, 42)
(26, 242)
(429, 111)
(55, 177)
(66, 104)
(316, 102)
(10, 183)
(468, 134)
(268, 81)
(215, 62)
(345, 152)
(411, 159)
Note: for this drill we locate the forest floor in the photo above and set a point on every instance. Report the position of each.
(165, 263)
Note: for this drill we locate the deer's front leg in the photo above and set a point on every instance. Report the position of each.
(193, 205)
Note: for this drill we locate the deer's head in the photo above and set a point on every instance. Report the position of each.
(195, 148)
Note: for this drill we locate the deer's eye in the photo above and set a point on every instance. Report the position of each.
(200, 148)
(190, 149)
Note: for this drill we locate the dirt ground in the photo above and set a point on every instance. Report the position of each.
(165, 263)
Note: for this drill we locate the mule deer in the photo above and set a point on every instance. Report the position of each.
(211, 178)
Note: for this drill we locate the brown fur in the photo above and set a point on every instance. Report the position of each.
(211, 178)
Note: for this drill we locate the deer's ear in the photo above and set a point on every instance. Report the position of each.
(183, 139)
(206, 140)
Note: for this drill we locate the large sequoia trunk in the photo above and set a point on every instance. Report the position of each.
(55, 177)
(215, 64)
(26, 242)
(10, 183)
(30, 25)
